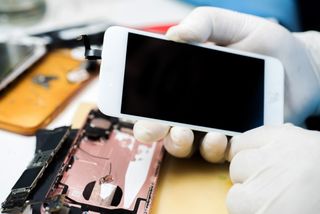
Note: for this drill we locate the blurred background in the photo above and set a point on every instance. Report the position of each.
(40, 15)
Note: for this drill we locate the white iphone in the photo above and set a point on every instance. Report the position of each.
(200, 86)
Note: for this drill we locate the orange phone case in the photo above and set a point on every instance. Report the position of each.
(27, 105)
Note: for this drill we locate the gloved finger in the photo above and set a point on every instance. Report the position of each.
(244, 199)
(148, 131)
(179, 142)
(245, 165)
(223, 27)
(213, 147)
(236, 201)
(253, 139)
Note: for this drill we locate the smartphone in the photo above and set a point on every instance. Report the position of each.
(17, 57)
(200, 86)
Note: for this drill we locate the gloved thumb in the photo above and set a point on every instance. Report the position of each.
(254, 139)
(223, 27)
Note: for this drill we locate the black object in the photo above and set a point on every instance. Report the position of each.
(67, 37)
(95, 133)
(88, 190)
(117, 197)
(309, 14)
(28, 185)
(49, 176)
(313, 123)
(90, 54)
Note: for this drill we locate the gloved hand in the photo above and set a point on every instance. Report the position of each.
(275, 170)
(249, 33)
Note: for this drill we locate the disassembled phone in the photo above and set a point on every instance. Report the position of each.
(201, 86)
(100, 168)
(43, 91)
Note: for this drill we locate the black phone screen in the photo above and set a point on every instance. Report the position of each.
(188, 84)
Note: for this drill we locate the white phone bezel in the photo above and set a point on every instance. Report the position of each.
(112, 77)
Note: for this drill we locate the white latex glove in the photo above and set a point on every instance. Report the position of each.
(275, 170)
(254, 34)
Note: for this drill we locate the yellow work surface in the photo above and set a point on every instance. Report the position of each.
(191, 186)
(185, 186)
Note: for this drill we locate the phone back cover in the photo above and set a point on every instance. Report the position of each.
(36, 97)
(185, 186)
